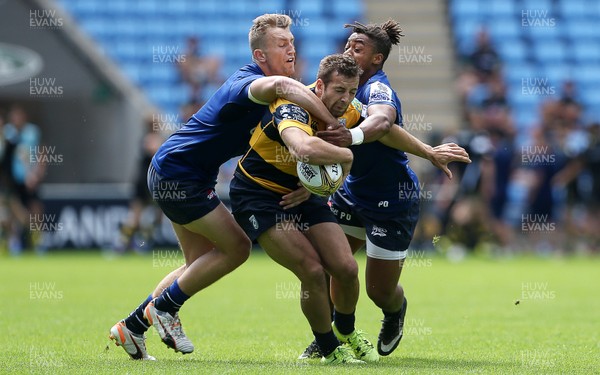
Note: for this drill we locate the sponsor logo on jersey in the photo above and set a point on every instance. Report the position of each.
(292, 112)
(380, 93)
(377, 231)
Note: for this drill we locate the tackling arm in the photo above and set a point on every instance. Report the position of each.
(268, 89)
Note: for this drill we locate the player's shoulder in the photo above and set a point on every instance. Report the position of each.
(380, 91)
(285, 110)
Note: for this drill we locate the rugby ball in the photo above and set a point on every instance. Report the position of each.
(322, 180)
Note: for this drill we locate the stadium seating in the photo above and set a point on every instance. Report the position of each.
(128, 36)
(552, 39)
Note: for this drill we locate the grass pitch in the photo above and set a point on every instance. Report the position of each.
(517, 316)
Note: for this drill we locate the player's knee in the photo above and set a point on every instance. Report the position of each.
(241, 251)
(346, 271)
(312, 273)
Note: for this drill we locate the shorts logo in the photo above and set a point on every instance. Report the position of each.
(211, 195)
(254, 222)
(377, 231)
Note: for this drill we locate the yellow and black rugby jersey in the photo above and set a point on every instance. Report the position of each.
(268, 162)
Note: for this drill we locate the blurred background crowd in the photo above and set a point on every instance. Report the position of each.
(525, 73)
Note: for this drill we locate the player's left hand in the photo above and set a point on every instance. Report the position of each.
(295, 197)
(339, 136)
(444, 154)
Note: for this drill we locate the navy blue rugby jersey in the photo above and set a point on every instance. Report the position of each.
(219, 131)
(380, 178)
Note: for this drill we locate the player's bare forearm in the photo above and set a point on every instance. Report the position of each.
(400, 139)
(314, 150)
(268, 89)
(296, 92)
(440, 156)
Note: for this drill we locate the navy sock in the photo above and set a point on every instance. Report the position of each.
(171, 299)
(344, 322)
(392, 315)
(135, 322)
(327, 342)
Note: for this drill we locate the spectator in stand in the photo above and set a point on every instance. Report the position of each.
(481, 65)
(199, 71)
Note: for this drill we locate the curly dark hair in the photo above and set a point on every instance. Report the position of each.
(344, 65)
(383, 36)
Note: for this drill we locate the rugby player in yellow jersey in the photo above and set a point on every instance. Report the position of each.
(306, 239)
(182, 177)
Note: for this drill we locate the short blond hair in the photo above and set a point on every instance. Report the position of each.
(261, 24)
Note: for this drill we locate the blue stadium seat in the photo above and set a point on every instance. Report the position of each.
(578, 29)
(554, 51)
(587, 74)
(537, 4)
(557, 72)
(349, 10)
(512, 50)
(308, 8)
(575, 9)
(465, 32)
(505, 27)
(268, 6)
(500, 8)
(586, 50)
(464, 9)
(517, 72)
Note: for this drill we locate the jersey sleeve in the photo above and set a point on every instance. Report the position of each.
(354, 115)
(287, 114)
(239, 92)
(380, 93)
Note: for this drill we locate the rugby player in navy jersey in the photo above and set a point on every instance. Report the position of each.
(306, 239)
(182, 178)
(378, 204)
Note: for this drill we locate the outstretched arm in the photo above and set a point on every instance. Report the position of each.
(268, 89)
(440, 156)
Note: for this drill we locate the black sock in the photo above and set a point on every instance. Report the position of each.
(344, 322)
(135, 322)
(327, 342)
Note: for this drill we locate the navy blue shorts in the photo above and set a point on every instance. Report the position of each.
(387, 236)
(257, 209)
(182, 201)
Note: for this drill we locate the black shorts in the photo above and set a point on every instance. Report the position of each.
(387, 236)
(182, 201)
(257, 209)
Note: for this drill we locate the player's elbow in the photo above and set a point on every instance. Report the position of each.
(383, 124)
(283, 86)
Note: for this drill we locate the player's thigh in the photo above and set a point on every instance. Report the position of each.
(291, 249)
(193, 245)
(217, 228)
(333, 248)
